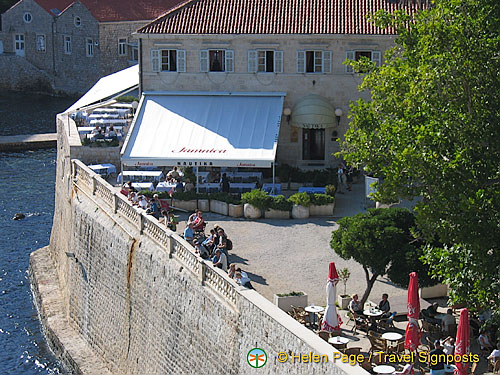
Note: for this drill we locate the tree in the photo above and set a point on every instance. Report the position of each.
(432, 130)
(382, 242)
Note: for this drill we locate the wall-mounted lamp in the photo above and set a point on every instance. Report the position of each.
(288, 113)
(338, 113)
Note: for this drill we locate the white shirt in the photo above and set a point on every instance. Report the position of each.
(495, 354)
(143, 203)
(244, 278)
(447, 320)
(223, 261)
(448, 349)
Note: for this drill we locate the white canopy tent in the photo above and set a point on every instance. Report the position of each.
(114, 84)
(221, 129)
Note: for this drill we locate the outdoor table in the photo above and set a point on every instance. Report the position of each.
(105, 169)
(139, 175)
(85, 129)
(268, 188)
(313, 310)
(108, 121)
(245, 175)
(312, 190)
(143, 185)
(103, 116)
(373, 312)
(339, 342)
(242, 186)
(392, 336)
(209, 187)
(164, 186)
(384, 369)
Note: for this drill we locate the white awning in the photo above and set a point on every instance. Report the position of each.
(114, 84)
(205, 129)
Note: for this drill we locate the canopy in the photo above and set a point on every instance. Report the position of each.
(331, 320)
(313, 112)
(111, 85)
(220, 129)
(413, 334)
(462, 343)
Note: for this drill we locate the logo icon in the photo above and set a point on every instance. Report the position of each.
(256, 358)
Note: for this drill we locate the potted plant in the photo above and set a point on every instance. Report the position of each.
(187, 200)
(279, 208)
(218, 203)
(301, 203)
(203, 202)
(235, 207)
(321, 205)
(255, 202)
(285, 301)
(344, 299)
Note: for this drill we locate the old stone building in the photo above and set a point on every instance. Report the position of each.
(292, 46)
(71, 44)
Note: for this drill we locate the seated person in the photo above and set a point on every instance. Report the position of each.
(132, 196)
(242, 279)
(95, 130)
(154, 207)
(447, 321)
(205, 246)
(355, 306)
(221, 241)
(437, 366)
(99, 135)
(484, 341)
(430, 313)
(111, 133)
(173, 174)
(220, 260)
(188, 233)
(493, 358)
(232, 270)
(179, 187)
(448, 345)
(385, 306)
(142, 202)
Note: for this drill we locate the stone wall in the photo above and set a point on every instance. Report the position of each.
(145, 303)
(20, 75)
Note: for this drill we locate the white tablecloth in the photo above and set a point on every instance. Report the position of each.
(140, 176)
(143, 185)
(103, 168)
(163, 186)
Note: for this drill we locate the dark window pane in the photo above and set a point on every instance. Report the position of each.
(269, 61)
(216, 60)
(173, 61)
(313, 144)
(310, 61)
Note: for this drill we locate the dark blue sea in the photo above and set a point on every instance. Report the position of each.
(27, 186)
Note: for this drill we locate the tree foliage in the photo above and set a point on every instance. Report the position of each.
(381, 241)
(432, 130)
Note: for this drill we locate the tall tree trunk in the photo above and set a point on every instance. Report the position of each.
(369, 285)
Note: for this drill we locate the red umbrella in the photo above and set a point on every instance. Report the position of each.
(462, 344)
(331, 320)
(413, 334)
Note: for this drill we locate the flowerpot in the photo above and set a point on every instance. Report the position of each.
(300, 212)
(343, 301)
(251, 212)
(323, 210)
(235, 210)
(185, 205)
(276, 214)
(285, 303)
(219, 207)
(204, 205)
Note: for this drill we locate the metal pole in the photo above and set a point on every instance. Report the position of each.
(273, 179)
(197, 180)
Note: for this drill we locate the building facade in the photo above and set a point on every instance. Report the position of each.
(295, 46)
(76, 43)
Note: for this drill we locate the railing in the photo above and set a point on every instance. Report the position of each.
(90, 182)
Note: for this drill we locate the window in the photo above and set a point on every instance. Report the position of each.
(168, 60)
(217, 60)
(40, 43)
(314, 61)
(313, 144)
(19, 44)
(77, 21)
(122, 47)
(27, 17)
(374, 56)
(135, 53)
(90, 48)
(265, 61)
(67, 45)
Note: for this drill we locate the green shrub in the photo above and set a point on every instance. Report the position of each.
(291, 294)
(257, 198)
(189, 175)
(224, 197)
(330, 190)
(279, 202)
(284, 172)
(301, 199)
(321, 199)
(186, 195)
(127, 99)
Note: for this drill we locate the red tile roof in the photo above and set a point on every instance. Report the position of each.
(275, 17)
(116, 10)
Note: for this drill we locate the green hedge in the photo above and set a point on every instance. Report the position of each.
(302, 199)
(257, 198)
(321, 199)
(279, 202)
(224, 197)
(319, 177)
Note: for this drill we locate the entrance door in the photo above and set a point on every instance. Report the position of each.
(313, 144)
(19, 44)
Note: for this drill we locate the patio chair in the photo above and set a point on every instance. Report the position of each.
(325, 335)
(359, 323)
(387, 323)
(301, 315)
(431, 329)
(377, 344)
(354, 350)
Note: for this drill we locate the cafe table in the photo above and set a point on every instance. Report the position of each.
(384, 369)
(313, 310)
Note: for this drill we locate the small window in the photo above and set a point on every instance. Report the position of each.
(135, 54)
(217, 60)
(90, 48)
(265, 61)
(314, 61)
(77, 21)
(374, 56)
(27, 17)
(67, 45)
(122, 47)
(40, 43)
(168, 60)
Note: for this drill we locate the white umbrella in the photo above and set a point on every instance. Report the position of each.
(331, 320)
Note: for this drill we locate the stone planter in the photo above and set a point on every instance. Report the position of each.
(323, 210)
(286, 303)
(276, 214)
(219, 207)
(343, 301)
(204, 205)
(300, 212)
(235, 210)
(251, 212)
(185, 205)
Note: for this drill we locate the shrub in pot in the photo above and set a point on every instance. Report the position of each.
(186, 200)
(321, 205)
(301, 203)
(344, 299)
(279, 208)
(285, 301)
(255, 202)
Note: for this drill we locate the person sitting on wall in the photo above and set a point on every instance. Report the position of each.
(232, 270)
(142, 202)
(154, 207)
(222, 241)
(242, 279)
(220, 260)
(188, 233)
